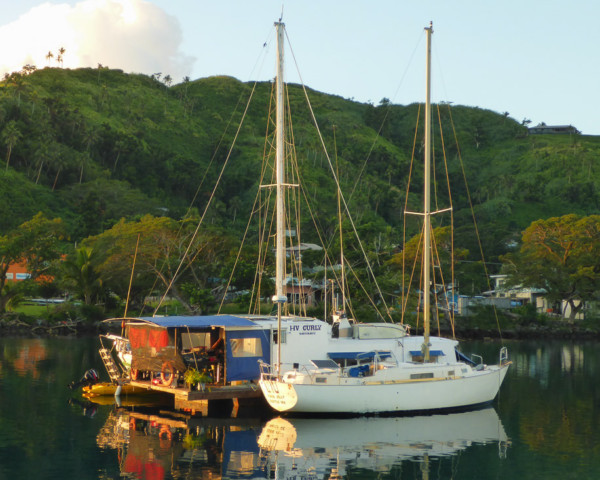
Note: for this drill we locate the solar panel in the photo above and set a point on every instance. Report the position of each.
(325, 364)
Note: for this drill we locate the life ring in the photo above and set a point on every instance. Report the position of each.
(167, 374)
(133, 373)
(165, 432)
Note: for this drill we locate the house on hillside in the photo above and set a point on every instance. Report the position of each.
(302, 291)
(542, 128)
(17, 272)
(509, 297)
(299, 249)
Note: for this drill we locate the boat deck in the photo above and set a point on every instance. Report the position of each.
(199, 401)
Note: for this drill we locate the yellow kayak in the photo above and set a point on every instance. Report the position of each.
(106, 388)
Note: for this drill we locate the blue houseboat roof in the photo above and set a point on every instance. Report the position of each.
(199, 321)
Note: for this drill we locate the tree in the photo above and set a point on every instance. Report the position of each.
(10, 136)
(80, 275)
(562, 256)
(442, 256)
(61, 54)
(441, 267)
(162, 255)
(35, 244)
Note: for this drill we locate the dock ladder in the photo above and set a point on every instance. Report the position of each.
(110, 365)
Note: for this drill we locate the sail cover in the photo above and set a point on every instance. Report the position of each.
(244, 349)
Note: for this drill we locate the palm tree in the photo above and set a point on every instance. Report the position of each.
(61, 54)
(42, 155)
(11, 136)
(49, 56)
(85, 160)
(79, 271)
(90, 137)
(18, 83)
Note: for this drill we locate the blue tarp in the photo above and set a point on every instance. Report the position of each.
(461, 357)
(244, 365)
(199, 321)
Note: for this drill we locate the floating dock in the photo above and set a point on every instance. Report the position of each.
(219, 397)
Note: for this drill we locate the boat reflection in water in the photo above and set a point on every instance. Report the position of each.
(161, 446)
(328, 448)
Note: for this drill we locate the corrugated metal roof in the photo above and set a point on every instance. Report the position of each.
(199, 321)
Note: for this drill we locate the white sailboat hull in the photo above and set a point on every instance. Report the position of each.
(373, 395)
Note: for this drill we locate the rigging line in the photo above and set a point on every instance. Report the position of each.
(452, 263)
(253, 210)
(263, 247)
(349, 299)
(405, 295)
(312, 113)
(410, 171)
(318, 227)
(265, 234)
(221, 139)
(318, 230)
(207, 203)
(434, 173)
(487, 277)
(212, 159)
(436, 255)
(387, 112)
(256, 200)
(339, 208)
(131, 277)
(262, 54)
(290, 156)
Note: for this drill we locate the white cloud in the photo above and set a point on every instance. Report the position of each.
(133, 35)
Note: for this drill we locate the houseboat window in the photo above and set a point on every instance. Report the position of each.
(246, 347)
(190, 341)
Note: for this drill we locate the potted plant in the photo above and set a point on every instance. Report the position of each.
(192, 377)
(204, 379)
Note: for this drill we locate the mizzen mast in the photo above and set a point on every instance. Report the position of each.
(427, 204)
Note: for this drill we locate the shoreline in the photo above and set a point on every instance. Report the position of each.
(555, 331)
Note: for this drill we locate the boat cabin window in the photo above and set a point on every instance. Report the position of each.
(417, 355)
(246, 347)
(376, 330)
(190, 341)
(420, 376)
(283, 336)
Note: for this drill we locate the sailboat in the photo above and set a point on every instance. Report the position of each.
(409, 374)
(237, 349)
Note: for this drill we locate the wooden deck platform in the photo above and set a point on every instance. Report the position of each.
(197, 401)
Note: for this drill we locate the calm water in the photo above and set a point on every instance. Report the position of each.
(544, 425)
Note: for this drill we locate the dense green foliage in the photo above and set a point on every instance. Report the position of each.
(93, 146)
(562, 256)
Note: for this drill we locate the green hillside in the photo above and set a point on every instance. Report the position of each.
(95, 145)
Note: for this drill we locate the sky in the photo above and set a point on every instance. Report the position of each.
(535, 59)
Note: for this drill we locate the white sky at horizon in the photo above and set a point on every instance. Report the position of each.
(535, 59)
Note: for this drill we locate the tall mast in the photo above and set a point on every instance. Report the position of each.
(280, 298)
(427, 202)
